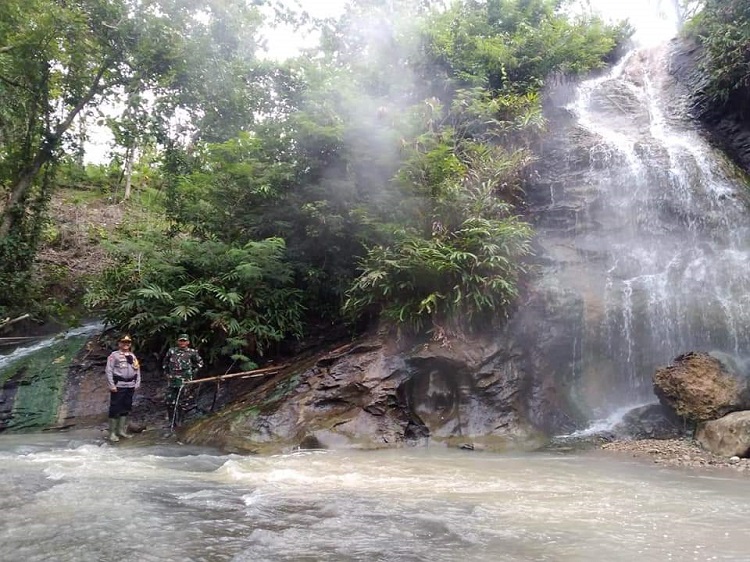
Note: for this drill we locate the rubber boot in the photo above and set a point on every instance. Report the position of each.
(113, 422)
(122, 427)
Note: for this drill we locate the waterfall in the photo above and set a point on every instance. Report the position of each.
(646, 242)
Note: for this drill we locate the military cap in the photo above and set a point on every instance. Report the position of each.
(126, 337)
(183, 337)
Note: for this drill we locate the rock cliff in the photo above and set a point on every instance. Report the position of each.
(728, 125)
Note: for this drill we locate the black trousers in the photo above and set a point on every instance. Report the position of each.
(120, 402)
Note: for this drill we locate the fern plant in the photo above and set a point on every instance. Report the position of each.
(466, 269)
(233, 301)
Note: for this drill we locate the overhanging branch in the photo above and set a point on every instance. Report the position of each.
(92, 91)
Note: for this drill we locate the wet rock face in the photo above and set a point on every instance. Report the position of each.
(728, 436)
(632, 254)
(729, 125)
(32, 388)
(373, 396)
(698, 387)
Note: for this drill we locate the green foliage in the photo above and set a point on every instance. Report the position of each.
(514, 45)
(60, 60)
(390, 140)
(461, 265)
(234, 301)
(723, 28)
(91, 182)
(381, 170)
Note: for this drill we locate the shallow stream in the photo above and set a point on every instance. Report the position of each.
(71, 498)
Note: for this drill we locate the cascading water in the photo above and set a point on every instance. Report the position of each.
(657, 254)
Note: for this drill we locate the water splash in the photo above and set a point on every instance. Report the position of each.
(604, 425)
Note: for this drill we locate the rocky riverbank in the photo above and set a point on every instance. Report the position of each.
(684, 453)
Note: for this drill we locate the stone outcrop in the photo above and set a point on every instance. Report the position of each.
(373, 395)
(477, 393)
(728, 436)
(698, 387)
(32, 387)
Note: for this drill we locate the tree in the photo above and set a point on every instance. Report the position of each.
(58, 58)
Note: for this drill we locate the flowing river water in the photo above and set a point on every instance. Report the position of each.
(71, 499)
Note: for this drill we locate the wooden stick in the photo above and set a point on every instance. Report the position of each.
(21, 338)
(8, 321)
(249, 374)
(338, 349)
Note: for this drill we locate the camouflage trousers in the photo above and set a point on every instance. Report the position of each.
(179, 398)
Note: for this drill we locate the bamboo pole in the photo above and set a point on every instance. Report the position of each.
(8, 321)
(248, 374)
(21, 338)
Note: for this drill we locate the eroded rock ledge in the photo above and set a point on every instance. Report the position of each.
(371, 395)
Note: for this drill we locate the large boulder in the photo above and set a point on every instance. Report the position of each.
(728, 436)
(698, 387)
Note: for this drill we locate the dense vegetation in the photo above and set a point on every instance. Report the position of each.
(377, 176)
(723, 28)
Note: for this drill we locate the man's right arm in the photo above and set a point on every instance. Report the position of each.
(109, 371)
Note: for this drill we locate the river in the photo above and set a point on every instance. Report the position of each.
(70, 498)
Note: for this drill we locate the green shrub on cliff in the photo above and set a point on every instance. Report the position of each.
(723, 28)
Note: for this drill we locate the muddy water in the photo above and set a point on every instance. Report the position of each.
(70, 498)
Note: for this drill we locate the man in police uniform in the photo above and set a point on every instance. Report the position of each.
(123, 378)
(180, 365)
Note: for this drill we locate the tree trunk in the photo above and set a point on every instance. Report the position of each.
(129, 156)
(25, 180)
(19, 189)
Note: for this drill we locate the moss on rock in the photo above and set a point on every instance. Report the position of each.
(33, 385)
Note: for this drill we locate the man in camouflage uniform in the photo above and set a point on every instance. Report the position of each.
(180, 365)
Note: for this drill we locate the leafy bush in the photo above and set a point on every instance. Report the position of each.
(462, 265)
(234, 301)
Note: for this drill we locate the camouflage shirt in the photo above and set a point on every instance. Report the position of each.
(182, 363)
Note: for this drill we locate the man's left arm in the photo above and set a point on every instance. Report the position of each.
(197, 360)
